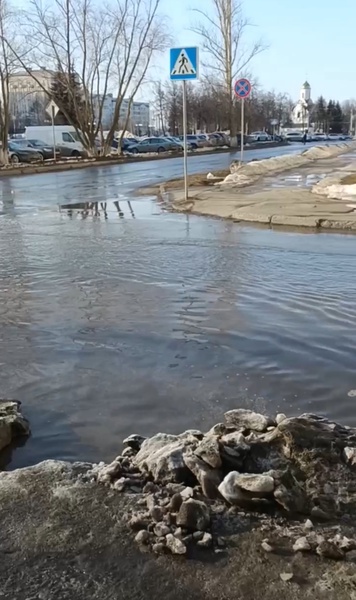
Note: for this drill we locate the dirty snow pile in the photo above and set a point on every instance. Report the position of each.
(186, 484)
(248, 173)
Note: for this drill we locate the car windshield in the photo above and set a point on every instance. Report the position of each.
(75, 136)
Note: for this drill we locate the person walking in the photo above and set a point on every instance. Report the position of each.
(304, 138)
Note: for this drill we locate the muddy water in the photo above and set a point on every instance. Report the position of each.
(123, 318)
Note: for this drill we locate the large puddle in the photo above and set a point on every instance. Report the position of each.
(117, 317)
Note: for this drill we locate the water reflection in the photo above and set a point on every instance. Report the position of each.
(99, 209)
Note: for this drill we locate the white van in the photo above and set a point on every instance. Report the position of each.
(67, 140)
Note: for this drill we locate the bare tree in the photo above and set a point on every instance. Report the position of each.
(222, 30)
(98, 46)
(7, 67)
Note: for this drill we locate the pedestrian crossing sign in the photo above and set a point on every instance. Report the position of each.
(184, 63)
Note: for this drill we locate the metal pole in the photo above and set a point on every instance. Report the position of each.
(242, 128)
(185, 139)
(54, 134)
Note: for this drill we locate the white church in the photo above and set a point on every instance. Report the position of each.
(300, 115)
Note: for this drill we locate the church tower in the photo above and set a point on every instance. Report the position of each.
(305, 93)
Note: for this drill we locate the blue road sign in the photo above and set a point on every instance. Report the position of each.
(184, 63)
(242, 88)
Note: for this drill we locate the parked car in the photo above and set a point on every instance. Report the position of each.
(195, 141)
(294, 136)
(19, 154)
(155, 144)
(178, 141)
(126, 143)
(260, 136)
(320, 137)
(40, 147)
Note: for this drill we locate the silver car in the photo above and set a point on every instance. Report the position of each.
(154, 144)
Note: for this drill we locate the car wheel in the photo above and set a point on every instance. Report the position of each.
(194, 147)
(75, 154)
(161, 149)
(40, 157)
(14, 159)
(134, 151)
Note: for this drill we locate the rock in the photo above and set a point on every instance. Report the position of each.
(138, 522)
(194, 515)
(119, 484)
(239, 488)
(260, 484)
(198, 535)
(175, 545)
(143, 537)
(219, 429)
(301, 545)
(179, 533)
(175, 502)
(5, 433)
(158, 548)
(247, 419)
(134, 441)
(187, 539)
(329, 550)
(109, 472)
(319, 513)
(208, 478)
(350, 455)
(286, 576)
(232, 492)
(161, 530)
(208, 451)
(163, 457)
(206, 541)
(187, 493)
(233, 439)
(192, 433)
(293, 499)
(266, 547)
(280, 417)
(351, 556)
(12, 423)
(127, 452)
(308, 525)
(151, 501)
(157, 514)
(150, 488)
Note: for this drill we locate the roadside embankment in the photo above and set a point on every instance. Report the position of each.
(255, 192)
(70, 164)
(264, 505)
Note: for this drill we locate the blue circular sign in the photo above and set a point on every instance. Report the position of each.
(242, 88)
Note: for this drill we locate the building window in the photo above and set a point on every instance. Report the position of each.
(298, 115)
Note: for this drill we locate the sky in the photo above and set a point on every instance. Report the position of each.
(307, 39)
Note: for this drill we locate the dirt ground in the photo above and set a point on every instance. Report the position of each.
(67, 540)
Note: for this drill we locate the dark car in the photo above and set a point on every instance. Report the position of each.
(41, 147)
(19, 154)
(126, 143)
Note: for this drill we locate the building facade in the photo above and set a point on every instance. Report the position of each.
(28, 99)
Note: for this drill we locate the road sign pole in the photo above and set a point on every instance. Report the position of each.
(184, 65)
(185, 139)
(53, 133)
(242, 128)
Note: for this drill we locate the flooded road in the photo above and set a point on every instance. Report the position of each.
(126, 318)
